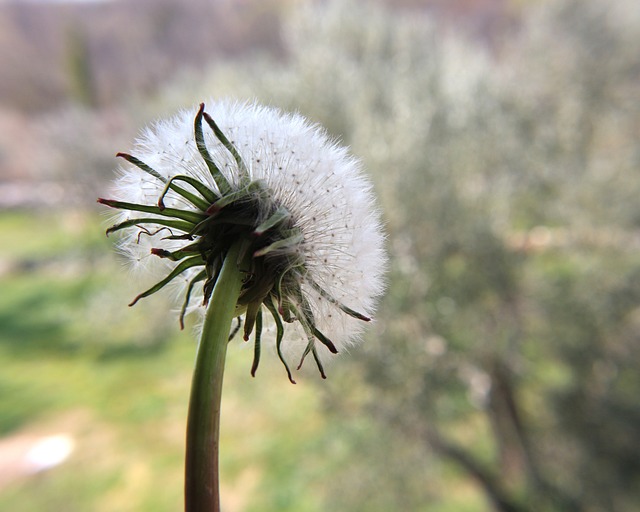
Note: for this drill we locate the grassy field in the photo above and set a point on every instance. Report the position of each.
(77, 361)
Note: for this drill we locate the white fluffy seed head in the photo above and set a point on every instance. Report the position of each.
(314, 178)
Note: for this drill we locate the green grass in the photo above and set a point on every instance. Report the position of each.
(76, 360)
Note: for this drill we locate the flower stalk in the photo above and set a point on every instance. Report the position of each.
(202, 482)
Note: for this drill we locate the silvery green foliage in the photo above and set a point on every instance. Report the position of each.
(510, 185)
(512, 191)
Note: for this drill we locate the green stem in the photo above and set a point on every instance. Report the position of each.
(202, 489)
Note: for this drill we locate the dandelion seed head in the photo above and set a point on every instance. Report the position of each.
(299, 169)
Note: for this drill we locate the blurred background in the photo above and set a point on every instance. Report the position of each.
(503, 372)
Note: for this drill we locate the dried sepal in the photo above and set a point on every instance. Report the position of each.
(200, 276)
(208, 195)
(269, 303)
(187, 215)
(179, 269)
(256, 344)
(169, 223)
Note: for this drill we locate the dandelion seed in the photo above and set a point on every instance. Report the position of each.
(296, 202)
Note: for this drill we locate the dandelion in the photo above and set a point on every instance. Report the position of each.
(296, 202)
(252, 213)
